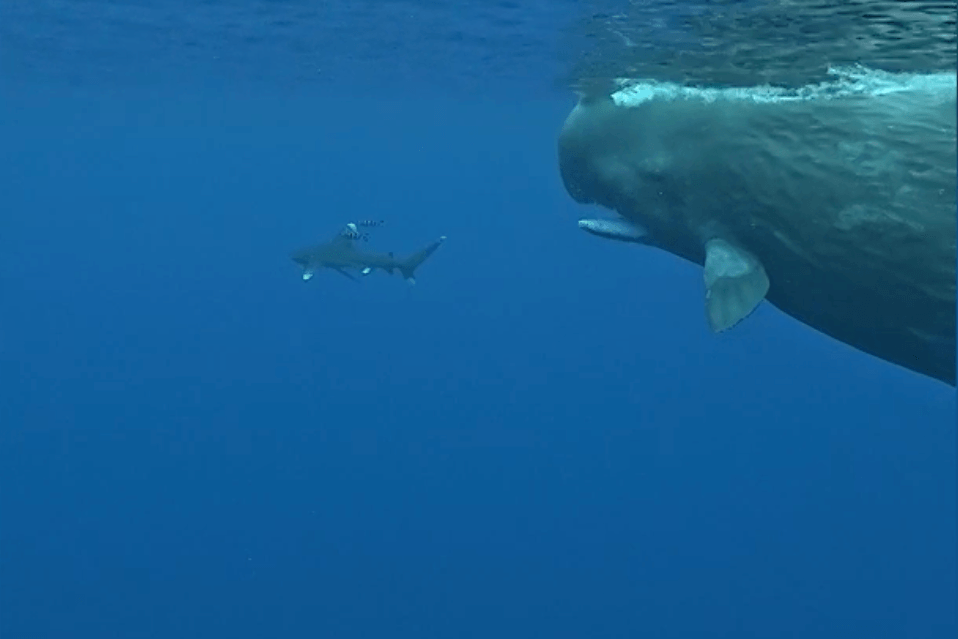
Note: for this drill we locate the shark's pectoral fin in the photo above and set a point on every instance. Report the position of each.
(735, 284)
(621, 230)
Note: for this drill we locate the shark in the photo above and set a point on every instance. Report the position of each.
(342, 254)
(835, 204)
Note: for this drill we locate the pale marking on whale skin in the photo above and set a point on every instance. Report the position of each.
(621, 230)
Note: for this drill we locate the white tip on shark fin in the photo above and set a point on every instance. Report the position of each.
(366, 271)
(307, 275)
(735, 284)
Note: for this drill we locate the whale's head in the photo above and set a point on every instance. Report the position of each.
(625, 159)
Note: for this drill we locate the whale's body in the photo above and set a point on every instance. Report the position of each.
(846, 199)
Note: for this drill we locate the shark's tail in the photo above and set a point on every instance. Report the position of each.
(409, 266)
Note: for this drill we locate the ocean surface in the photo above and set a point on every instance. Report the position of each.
(540, 438)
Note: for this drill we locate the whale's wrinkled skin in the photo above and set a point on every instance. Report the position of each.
(839, 208)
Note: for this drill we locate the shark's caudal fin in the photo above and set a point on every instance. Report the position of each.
(409, 265)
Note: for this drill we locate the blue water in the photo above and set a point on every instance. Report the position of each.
(539, 438)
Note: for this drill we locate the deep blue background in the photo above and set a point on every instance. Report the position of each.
(540, 438)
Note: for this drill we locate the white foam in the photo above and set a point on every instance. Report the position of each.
(849, 81)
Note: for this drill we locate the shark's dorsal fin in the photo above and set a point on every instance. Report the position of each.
(347, 234)
(350, 231)
(735, 284)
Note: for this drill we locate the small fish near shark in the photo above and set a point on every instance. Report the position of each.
(836, 204)
(341, 254)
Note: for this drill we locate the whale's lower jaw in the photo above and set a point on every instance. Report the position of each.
(882, 282)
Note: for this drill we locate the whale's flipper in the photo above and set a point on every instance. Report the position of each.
(735, 283)
(621, 230)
